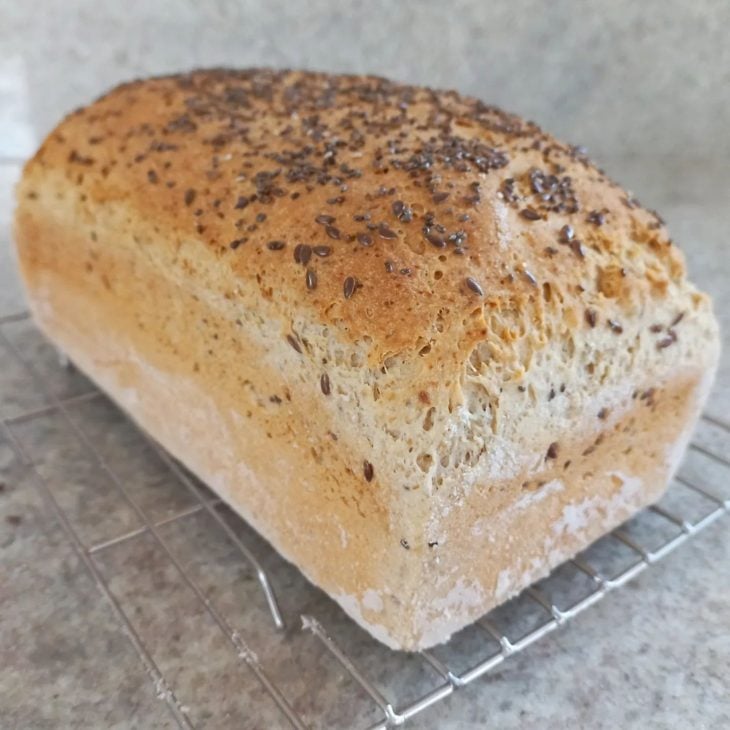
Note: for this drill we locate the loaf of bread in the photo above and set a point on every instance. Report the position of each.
(425, 349)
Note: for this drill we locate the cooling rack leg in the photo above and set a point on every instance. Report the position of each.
(261, 574)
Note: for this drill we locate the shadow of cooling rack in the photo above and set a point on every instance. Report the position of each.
(136, 510)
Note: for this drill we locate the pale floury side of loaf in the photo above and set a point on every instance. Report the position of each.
(425, 349)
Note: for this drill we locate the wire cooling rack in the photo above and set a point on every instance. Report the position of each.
(135, 517)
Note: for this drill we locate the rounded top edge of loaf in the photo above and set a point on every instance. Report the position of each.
(408, 218)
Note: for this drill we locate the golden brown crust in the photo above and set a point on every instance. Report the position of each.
(395, 181)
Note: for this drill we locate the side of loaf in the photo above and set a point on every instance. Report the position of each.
(425, 349)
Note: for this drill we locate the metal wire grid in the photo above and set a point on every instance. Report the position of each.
(554, 611)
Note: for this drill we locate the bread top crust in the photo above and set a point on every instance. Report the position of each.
(405, 218)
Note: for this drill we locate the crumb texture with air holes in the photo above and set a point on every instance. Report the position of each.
(405, 334)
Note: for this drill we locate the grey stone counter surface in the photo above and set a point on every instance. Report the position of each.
(100, 624)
